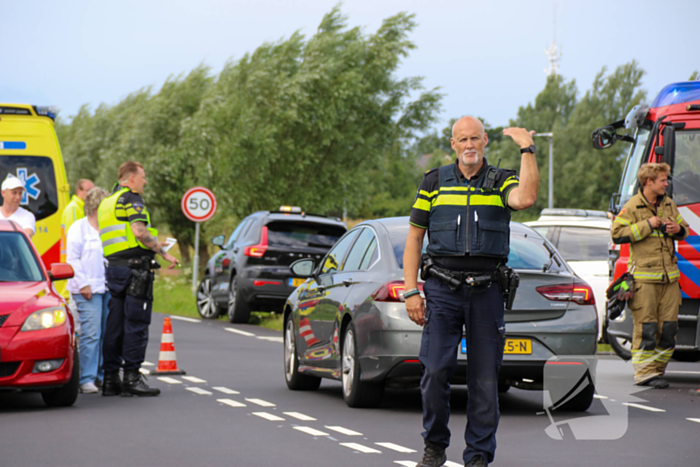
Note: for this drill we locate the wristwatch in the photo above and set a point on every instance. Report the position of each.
(530, 149)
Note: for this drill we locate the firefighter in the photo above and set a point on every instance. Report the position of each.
(465, 208)
(650, 223)
(130, 246)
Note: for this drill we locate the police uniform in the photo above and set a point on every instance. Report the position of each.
(126, 335)
(468, 230)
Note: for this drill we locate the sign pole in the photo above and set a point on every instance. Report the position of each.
(195, 262)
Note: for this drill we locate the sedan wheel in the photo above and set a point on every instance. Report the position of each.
(238, 311)
(206, 305)
(357, 393)
(621, 346)
(295, 380)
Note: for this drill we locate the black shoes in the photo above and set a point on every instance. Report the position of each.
(477, 461)
(656, 382)
(135, 385)
(112, 384)
(433, 455)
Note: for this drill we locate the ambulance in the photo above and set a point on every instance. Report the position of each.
(29, 150)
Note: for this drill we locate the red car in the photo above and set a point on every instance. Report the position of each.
(38, 350)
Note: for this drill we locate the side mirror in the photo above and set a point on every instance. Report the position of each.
(218, 241)
(302, 267)
(614, 206)
(603, 138)
(60, 271)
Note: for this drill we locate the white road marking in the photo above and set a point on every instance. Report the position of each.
(395, 447)
(169, 380)
(144, 371)
(679, 372)
(200, 391)
(231, 402)
(261, 402)
(194, 379)
(361, 448)
(238, 331)
(148, 364)
(182, 318)
(268, 416)
(643, 407)
(225, 390)
(696, 420)
(598, 396)
(310, 431)
(406, 463)
(344, 431)
(300, 416)
(271, 338)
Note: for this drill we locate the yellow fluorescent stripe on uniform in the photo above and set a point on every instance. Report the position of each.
(510, 181)
(457, 188)
(622, 221)
(426, 194)
(422, 204)
(474, 200)
(648, 275)
(674, 275)
(679, 218)
(636, 233)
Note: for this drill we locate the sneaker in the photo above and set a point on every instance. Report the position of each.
(433, 455)
(477, 461)
(655, 382)
(88, 388)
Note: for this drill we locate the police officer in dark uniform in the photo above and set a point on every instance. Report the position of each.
(465, 208)
(130, 246)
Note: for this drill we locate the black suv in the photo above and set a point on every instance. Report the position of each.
(252, 270)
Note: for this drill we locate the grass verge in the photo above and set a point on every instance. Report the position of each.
(172, 294)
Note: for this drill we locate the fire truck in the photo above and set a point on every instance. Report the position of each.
(668, 131)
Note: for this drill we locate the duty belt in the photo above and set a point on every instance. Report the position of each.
(144, 262)
(455, 279)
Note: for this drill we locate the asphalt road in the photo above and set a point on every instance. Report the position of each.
(238, 412)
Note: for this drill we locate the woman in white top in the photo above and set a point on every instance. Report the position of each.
(88, 290)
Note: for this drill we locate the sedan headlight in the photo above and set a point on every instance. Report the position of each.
(45, 319)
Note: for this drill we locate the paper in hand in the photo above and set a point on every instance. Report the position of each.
(169, 242)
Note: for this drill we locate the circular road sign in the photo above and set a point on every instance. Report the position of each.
(199, 204)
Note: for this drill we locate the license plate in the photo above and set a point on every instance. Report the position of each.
(513, 346)
(296, 281)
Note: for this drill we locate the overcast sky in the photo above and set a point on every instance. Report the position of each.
(487, 57)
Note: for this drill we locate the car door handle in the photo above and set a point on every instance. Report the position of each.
(348, 282)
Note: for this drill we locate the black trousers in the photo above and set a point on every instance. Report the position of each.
(126, 333)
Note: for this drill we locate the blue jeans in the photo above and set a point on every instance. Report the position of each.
(93, 320)
(481, 312)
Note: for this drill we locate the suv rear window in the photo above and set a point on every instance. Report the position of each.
(583, 244)
(41, 196)
(302, 234)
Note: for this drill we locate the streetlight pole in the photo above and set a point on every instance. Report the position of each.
(550, 204)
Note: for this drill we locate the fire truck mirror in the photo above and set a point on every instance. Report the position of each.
(603, 138)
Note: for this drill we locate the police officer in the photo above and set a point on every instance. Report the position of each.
(130, 246)
(465, 208)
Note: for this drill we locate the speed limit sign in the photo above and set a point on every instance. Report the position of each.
(198, 204)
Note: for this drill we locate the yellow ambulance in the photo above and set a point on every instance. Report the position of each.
(29, 150)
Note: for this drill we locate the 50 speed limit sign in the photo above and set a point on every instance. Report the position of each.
(199, 204)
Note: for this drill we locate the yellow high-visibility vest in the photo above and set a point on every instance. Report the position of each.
(116, 235)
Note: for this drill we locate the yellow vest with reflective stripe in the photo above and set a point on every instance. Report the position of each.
(116, 235)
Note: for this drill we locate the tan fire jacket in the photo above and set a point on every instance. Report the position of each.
(652, 253)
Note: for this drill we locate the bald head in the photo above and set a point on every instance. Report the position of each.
(468, 123)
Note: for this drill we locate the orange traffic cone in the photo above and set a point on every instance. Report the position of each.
(167, 361)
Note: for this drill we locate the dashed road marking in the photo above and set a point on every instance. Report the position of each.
(268, 416)
(643, 407)
(344, 431)
(261, 402)
(361, 448)
(225, 390)
(148, 364)
(300, 416)
(679, 372)
(238, 331)
(200, 391)
(182, 318)
(310, 431)
(598, 396)
(194, 379)
(271, 339)
(231, 403)
(169, 380)
(696, 420)
(395, 447)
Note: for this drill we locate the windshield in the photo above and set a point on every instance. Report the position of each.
(634, 160)
(40, 197)
(686, 170)
(17, 260)
(303, 234)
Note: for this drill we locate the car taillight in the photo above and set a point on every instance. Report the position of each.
(258, 283)
(392, 292)
(257, 251)
(576, 292)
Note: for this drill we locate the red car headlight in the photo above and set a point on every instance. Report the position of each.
(45, 319)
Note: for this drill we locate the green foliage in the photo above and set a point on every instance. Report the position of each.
(695, 76)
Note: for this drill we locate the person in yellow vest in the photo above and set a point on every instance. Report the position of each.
(72, 212)
(130, 246)
(650, 223)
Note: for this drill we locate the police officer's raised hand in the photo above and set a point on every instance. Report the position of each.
(170, 259)
(520, 136)
(415, 307)
(655, 222)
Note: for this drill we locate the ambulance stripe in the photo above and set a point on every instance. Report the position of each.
(691, 218)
